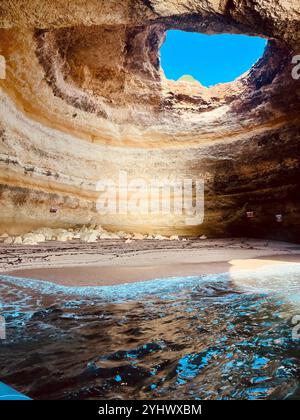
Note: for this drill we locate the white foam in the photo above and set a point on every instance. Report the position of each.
(282, 279)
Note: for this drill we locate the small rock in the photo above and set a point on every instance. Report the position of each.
(65, 236)
(128, 241)
(174, 238)
(18, 240)
(160, 237)
(33, 238)
(47, 232)
(29, 242)
(4, 236)
(8, 241)
(123, 235)
(128, 236)
(203, 237)
(89, 237)
(138, 236)
(83, 229)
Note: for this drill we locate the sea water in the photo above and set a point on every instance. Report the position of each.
(225, 336)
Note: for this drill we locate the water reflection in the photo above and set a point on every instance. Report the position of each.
(204, 337)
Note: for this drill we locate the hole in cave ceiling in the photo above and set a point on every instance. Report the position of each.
(209, 59)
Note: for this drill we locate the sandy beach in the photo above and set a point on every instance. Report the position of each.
(110, 262)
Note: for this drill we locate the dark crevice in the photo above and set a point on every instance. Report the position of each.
(148, 4)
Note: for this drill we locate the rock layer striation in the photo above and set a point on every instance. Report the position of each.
(84, 98)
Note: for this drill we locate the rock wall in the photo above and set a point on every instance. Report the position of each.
(84, 97)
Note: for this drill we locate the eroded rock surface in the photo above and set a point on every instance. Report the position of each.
(84, 97)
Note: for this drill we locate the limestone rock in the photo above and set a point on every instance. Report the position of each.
(33, 238)
(47, 232)
(18, 240)
(123, 235)
(160, 238)
(64, 236)
(85, 97)
(90, 236)
(138, 236)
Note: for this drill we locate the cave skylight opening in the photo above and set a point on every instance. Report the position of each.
(210, 59)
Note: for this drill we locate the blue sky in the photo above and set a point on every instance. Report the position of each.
(211, 59)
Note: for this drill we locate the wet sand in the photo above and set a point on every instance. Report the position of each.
(110, 262)
(106, 276)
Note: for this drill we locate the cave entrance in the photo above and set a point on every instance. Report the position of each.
(209, 59)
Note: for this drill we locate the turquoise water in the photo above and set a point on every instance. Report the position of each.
(209, 337)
